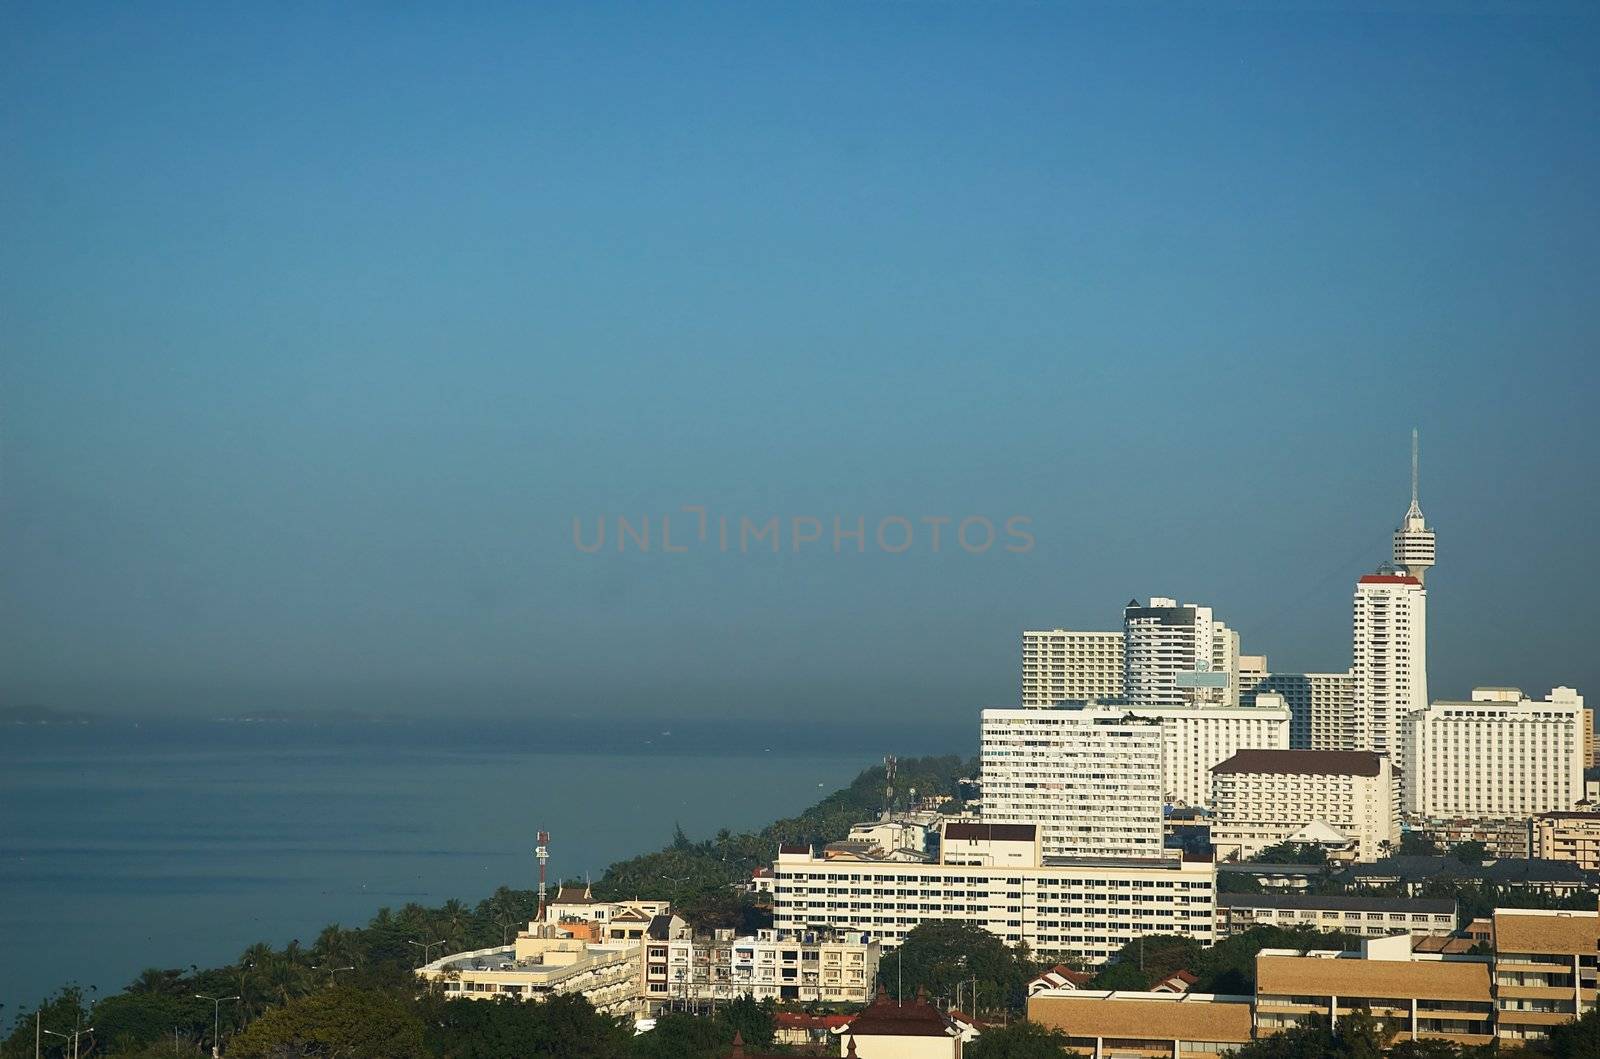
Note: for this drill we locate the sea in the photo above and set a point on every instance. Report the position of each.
(172, 843)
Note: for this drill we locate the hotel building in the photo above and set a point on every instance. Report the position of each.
(995, 876)
(1263, 797)
(1389, 660)
(1062, 665)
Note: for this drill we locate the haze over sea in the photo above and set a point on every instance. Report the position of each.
(170, 843)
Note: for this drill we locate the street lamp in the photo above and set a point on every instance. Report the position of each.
(73, 1037)
(333, 972)
(424, 947)
(216, 1021)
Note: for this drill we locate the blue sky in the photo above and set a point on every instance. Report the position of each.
(321, 325)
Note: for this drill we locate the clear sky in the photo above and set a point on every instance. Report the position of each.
(321, 324)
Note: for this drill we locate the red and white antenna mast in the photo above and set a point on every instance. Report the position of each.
(542, 853)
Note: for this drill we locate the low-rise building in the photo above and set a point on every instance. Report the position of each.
(1501, 837)
(800, 966)
(1263, 797)
(1411, 875)
(1545, 969)
(545, 960)
(1413, 995)
(1103, 1024)
(895, 1029)
(1356, 914)
(1285, 878)
(994, 876)
(1571, 837)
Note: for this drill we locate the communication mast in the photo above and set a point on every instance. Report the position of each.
(889, 764)
(542, 853)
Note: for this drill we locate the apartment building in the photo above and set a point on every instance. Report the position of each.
(995, 876)
(1065, 665)
(1571, 837)
(1160, 641)
(1499, 755)
(1252, 672)
(1321, 708)
(1356, 914)
(797, 966)
(1194, 739)
(1508, 836)
(1090, 777)
(1262, 797)
(1545, 969)
(1389, 644)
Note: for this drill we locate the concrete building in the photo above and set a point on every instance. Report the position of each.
(1389, 653)
(1064, 665)
(1263, 797)
(797, 966)
(1195, 738)
(1088, 776)
(1144, 1025)
(1414, 995)
(1499, 755)
(1353, 914)
(1160, 641)
(1321, 708)
(1545, 969)
(894, 1029)
(1510, 836)
(545, 960)
(1252, 672)
(1573, 836)
(994, 876)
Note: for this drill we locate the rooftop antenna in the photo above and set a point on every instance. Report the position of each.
(541, 852)
(1413, 467)
(889, 764)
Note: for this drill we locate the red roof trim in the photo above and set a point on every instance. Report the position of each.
(1388, 579)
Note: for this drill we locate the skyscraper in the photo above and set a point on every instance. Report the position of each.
(1389, 653)
(1161, 641)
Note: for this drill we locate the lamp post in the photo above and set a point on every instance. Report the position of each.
(333, 972)
(216, 1021)
(424, 946)
(73, 1037)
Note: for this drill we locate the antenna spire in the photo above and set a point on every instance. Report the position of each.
(1413, 466)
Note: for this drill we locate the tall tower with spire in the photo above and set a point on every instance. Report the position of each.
(1413, 541)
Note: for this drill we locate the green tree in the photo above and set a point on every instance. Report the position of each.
(564, 1026)
(1020, 1040)
(1140, 964)
(1579, 1039)
(936, 956)
(678, 1036)
(1292, 853)
(337, 1023)
(752, 1018)
(1472, 852)
(1416, 844)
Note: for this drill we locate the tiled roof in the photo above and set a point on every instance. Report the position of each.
(1302, 762)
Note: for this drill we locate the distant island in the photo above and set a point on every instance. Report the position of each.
(44, 715)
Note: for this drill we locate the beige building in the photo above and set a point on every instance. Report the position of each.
(895, 1029)
(1569, 836)
(1414, 995)
(1062, 665)
(1545, 969)
(1140, 1025)
(1263, 797)
(545, 960)
(995, 877)
(1196, 738)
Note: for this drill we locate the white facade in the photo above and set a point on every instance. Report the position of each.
(543, 963)
(1262, 797)
(802, 966)
(1413, 540)
(1389, 660)
(1251, 673)
(1063, 665)
(1500, 755)
(1160, 641)
(1088, 776)
(1087, 908)
(1195, 738)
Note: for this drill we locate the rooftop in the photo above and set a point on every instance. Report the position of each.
(991, 832)
(1302, 762)
(1340, 903)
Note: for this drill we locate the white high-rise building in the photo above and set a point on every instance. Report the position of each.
(1090, 777)
(1502, 755)
(1064, 665)
(1389, 653)
(1195, 738)
(1252, 672)
(1225, 660)
(1160, 641)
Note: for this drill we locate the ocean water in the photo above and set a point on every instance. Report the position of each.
(167, 844)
